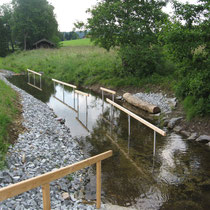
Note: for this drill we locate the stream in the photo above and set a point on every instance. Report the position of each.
(176, 176)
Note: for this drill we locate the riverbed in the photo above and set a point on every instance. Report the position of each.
(173, 175)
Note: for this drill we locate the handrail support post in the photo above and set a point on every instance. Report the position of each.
(46, 196)
(154, 143)
(98, 185)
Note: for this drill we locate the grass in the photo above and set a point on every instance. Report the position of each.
(8, 112)
(80, 63)
(77, 42)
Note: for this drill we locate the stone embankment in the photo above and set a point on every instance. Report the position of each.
(167, 105)
(45, 145)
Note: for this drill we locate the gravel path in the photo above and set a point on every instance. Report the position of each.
(45, 146)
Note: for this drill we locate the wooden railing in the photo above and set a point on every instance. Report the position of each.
(148, 124)
(108, 91)
(34, 73)
(64, 83)
(45, 179)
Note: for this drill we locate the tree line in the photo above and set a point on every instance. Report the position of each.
(72, 35)
(151, 42)
(23, 22)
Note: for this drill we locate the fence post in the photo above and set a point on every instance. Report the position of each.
(46, 196)
(98, 185)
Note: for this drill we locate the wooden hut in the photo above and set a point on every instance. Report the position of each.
(43, 43)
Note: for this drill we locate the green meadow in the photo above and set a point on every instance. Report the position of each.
(79, 62)
(77, 42)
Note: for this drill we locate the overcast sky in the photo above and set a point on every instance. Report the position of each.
(69, 11)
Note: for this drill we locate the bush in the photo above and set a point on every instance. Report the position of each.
(141, 60)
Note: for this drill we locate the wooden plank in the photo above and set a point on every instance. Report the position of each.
(64, 83)
(26, 185)
(34, 72)
(158, 130)
(98, 185)
(34, 86)
(108, 91)
(46, 196)
(81, 93)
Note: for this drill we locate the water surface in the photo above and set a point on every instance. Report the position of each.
(176, 177)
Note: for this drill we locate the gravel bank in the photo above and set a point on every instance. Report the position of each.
(45, 146)
(162, 101)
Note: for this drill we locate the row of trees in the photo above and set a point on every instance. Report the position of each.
(147, 40)
(23, 22)
(69, 35)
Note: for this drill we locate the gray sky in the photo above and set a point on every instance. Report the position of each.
(69, 11)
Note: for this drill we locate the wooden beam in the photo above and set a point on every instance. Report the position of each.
(98, 185)
(46, 196)
(26, 185)
(34, 72)
(108, 91)
(81, 93)
(153, 127)
(64, 83)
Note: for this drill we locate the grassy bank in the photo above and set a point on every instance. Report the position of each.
(8, 112)
(78, 64)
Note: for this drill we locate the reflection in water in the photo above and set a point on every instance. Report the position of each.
(176, 177)
(34, 81)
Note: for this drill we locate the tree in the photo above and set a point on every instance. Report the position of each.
(187, 41)
(33, 20)
(131, 25)
(3, 39)
(6, 15)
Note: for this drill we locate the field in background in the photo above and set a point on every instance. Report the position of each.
(77, 42)
(79, 63)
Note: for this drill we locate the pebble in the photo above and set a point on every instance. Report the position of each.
(40, 149)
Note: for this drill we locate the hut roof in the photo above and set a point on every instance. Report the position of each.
(43, 40)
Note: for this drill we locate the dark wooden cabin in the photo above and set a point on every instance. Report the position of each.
(43, 43)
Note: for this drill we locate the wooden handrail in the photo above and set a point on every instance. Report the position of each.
(153, 127)
(81, 93)
(34, 72)
(64, 83)
(45, 179)
(108, 91)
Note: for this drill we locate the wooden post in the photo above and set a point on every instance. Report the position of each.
(40, 82)
(46, 196)
(98, 185)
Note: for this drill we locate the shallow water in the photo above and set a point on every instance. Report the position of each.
(176, 177)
